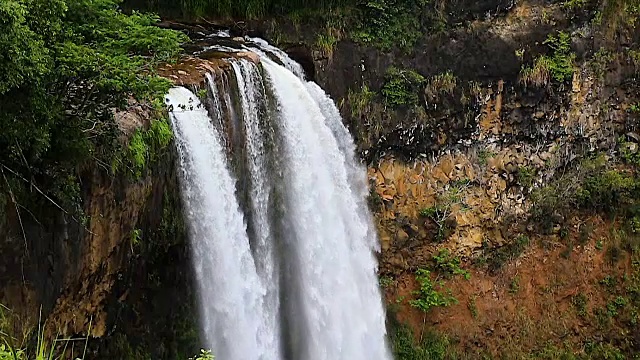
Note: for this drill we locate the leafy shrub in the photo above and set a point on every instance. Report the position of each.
(580, 303)
(562, 60)
(193, 9)
(609, 191)
(360, 101)
(539, 74)
(72, 63)
(449, 265)
(138, 152)
(514, 286)
(204, 355)
(561, 195)
(484, 155)
(508, 252)
(559, 66)
(432, 346)
(526, 176)
(385, 281)
(428, 296)
(146, 146)
(389, 24)
(402, 86)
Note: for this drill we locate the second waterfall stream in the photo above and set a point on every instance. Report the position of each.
(275, 201)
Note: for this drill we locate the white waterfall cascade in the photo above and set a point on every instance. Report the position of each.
(231, 292)
(297, 278)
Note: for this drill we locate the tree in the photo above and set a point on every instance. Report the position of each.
(67, 64)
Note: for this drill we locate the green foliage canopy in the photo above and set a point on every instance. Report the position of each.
(67, 65)
(231, 8)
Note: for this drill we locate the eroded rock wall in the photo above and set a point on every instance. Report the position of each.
(118, 272)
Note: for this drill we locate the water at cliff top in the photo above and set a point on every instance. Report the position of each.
(283, 244)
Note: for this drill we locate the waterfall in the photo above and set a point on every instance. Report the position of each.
(283, 254)
(231, 292)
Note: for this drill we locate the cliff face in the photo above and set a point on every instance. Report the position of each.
(485, 164)
(120, 274)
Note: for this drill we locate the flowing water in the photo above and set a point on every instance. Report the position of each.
(283, 244)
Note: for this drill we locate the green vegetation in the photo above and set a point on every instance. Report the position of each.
(326, 43)
(497, 257)
(589, 184)
(634, 56)
(204, 355)
(473, 308)
(42, 349)
(600, 61)
(609, 191)
(402, 86)
(135, 238)
(146, 146)
(618, 14)
(558, 67)
(439, 214)
(432, 346)
(250, 9)
(526, 176)
(514, 286)
(385, 281)
(574, 4)
(202, 94)
(389, 24)
(484, 155)
(449, 265)
(444, 83)
(71, 64)
(580, 303)
(431, 293)
(361, 100)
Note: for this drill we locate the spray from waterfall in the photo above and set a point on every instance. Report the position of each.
(284, 254)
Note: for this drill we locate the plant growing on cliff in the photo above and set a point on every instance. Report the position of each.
(145, 146)
(325, 43)
(430, 346)
(600, 61)
(448, 198)
(559, 66)
(402, 86)
(449, 265)
(574, 4)
(70, 64)
(526, 176)
(137, 153)
(634, 56)
(204, 355)
(439, 214)
(430, 294)
(444, 83)
(360, 101)
(386, 25)
(499, 256)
